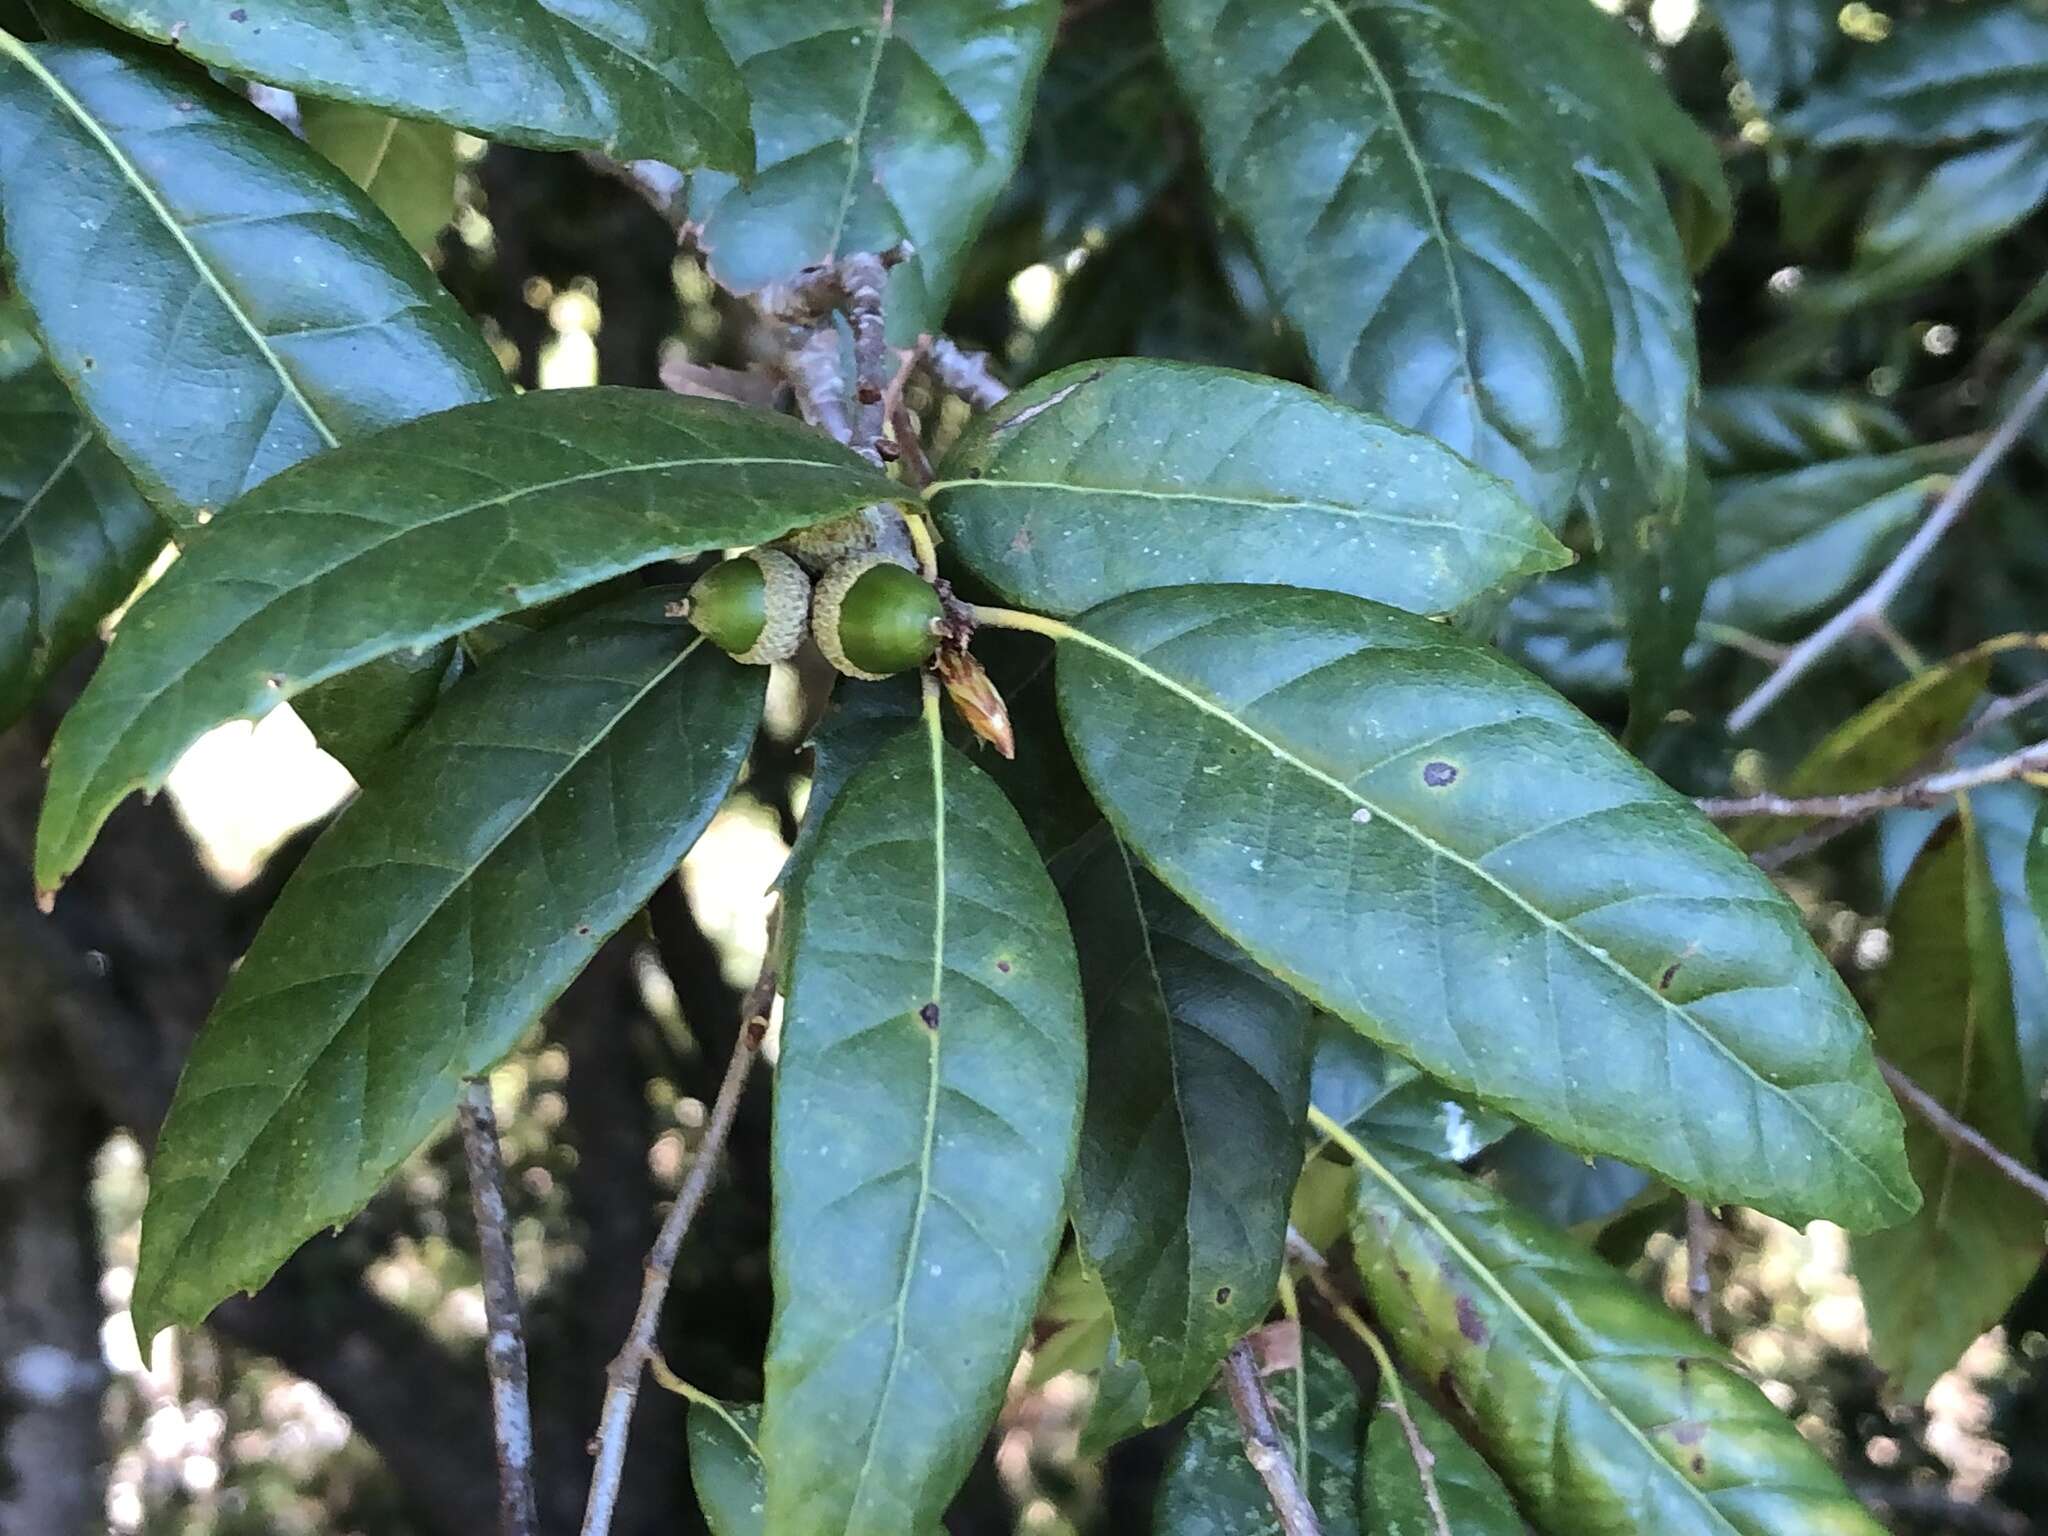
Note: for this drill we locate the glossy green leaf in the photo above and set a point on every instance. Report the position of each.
(75, 534)
(1882, 743)
(1122, 1406)
(631, 77)
(1105, 140)
(1041, 781)
(1559, 1185)
(1964, 205)
(1441, 1488)
(2005, 817)
(407, 538)
(1944, 1017)
(1950, 74)
(1656, 552)
(1371, 1092)
(1404, 189)
(725, 1467)
(857, 723)
(360, 715)
(1603, 96)
(1639, 486)
(484, 862)
(1779, 45)
(1787, 542)
(1211, 1490)
(1110, 477)
(220, 300)
(927, 1102)
(1197, 1084)
(1567, 629)
(1367, 1089)
(874, 122)
(1750, 428)
(1606, 1413)
(1787, 545)
(407, 168)
(1487, 911)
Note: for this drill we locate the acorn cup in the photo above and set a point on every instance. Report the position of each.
(754, 607)
(874, 618)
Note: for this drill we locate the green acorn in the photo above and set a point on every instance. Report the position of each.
(874, 618)
(753, 607)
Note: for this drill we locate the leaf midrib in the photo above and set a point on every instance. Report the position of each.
(1149, 958)
(1309, 770)
(899, 1311)
(1565, 1359)
(1241, 499)
(14, 49)
(1419, 168)
(347, 1016)
(884, 25)
(144, 702)
(35, 497)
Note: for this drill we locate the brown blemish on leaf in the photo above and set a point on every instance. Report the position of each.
(1447, 1389)
(1671, 970)
(1699, 1465)
(1469, 1322)
(1003, 966)
(1222, 1295)
(1439, 774)
(929, 1015)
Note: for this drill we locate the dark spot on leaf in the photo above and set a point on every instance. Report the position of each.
(275, 680)
(1684, 1365)
(1699, 1464)
(583, 930)
(929, 1013)
(976, 473)
(1438, 774)
(1003, 966)
(238, 14)
(1469, 1323)
(1222, 1295)
(88, 363)
(1671, 970)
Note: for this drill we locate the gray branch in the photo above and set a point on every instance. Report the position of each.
(622, 1388)
(505, 1341)
(1878, 596)
(1264, 1446)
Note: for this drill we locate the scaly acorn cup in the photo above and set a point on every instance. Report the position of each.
(753, 606)
(874, 618)
(872, 530)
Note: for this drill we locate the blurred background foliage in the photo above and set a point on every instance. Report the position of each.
(1882, 291)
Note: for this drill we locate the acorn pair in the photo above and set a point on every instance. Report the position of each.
(871, 616)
